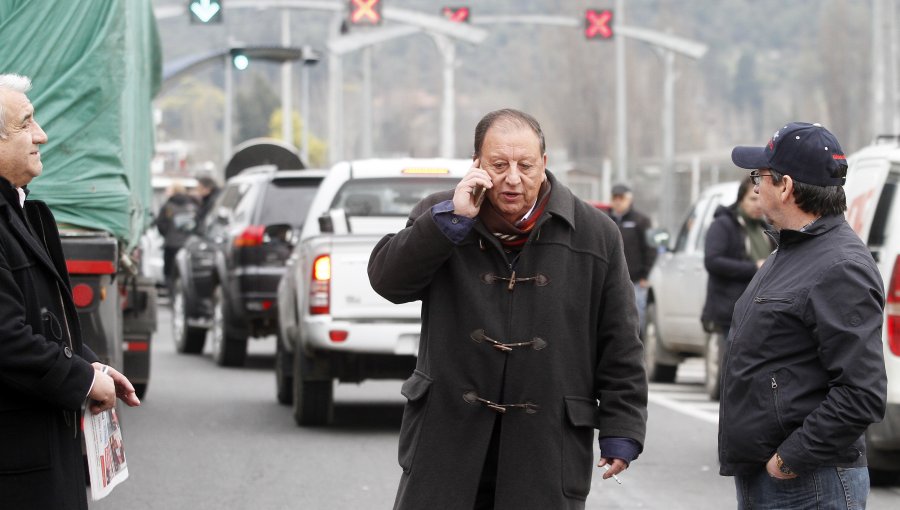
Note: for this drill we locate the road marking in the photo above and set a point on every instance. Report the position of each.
(690, 409)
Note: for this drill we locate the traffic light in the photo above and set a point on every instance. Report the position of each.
(598, 24)
(205, 12)
(365, 12)
(457, 14)
(239, 59)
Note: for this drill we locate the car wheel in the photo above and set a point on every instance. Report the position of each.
(229, 349)
(656, 372)
(284, 380)
(712, 358)
(188, 340)
(313, 399)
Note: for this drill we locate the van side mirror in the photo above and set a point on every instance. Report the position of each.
(658, 238)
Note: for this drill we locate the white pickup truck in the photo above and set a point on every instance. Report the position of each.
(332, 324)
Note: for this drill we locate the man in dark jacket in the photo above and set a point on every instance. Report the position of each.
(176, 221)
(207, 192)
(736, 246)
(45, 371)
(529, 335)
(804, 374)
(639, 254)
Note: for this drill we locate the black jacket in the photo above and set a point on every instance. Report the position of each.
(729, 266)
(45, 371)
(804, 371)
(177, 219)
(639, 254)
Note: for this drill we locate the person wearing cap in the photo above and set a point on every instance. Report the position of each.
(529, 335)
(639, 253)
(803, 374)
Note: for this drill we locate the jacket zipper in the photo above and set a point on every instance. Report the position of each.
(775, 397)
(763, 300)
(727, 357)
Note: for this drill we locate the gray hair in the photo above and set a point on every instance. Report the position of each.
(14, 83)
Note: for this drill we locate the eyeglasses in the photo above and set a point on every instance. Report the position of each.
(756, 177)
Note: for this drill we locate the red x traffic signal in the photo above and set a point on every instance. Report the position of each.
(365, 12)
(598, 24)
(457, 14)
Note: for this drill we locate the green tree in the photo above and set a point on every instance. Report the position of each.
(318, 149)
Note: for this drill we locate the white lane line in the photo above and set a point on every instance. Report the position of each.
(690, 410)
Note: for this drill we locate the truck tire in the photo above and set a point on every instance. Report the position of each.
(188, 340)
(229, 349)
(284, 375)
(712, 359)
(656, 371)
(313, 399)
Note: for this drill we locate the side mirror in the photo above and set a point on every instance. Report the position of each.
(282, 232)
(658, 238)
(334, 222)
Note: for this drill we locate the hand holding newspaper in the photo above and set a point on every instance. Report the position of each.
(105, 451)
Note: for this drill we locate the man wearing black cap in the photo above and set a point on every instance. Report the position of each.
(639, 254)
(803, 376)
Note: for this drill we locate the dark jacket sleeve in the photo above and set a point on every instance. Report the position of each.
(402, 265)
(845, 311)
(720, 257)
(32, 364)
(648, 251)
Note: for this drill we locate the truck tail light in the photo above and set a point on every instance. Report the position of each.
(892, 310)
(82, 295)
(251, 236)
(320, 288)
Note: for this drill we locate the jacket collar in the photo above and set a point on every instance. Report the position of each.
(15, 217)
(819, 227)
(561, 203)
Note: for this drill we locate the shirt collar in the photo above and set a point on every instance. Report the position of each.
(22, 194)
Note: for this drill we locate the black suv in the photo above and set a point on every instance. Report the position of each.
(227, 274)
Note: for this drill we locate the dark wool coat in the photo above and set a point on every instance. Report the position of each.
(729, 266)
(582, 370)
(45, 372)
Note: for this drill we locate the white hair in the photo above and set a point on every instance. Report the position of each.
(14, 83)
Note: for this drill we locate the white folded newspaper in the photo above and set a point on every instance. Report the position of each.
(105, 451)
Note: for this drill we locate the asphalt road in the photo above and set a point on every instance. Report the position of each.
(214, 438)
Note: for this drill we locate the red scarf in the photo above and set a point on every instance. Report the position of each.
(514, 236)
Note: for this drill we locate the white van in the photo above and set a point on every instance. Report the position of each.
(873, 210)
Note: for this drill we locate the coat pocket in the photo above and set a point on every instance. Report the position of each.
(577, 446)
(415, 389)
(24, 441)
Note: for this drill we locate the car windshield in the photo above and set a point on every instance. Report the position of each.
(288, 200)
(387, 197)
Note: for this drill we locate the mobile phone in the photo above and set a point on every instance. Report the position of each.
(478, 195)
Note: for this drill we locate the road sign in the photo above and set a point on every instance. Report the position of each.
(598, 24)
(365, 12)
(457, 14)
(205, 12)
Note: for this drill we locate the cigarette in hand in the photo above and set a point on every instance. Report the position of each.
(616, 478)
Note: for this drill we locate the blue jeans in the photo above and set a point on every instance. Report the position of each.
(640, 299)
(828, 488)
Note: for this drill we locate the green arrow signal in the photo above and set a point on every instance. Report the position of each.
(205, 10)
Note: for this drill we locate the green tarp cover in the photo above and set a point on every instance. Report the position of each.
(95, 67)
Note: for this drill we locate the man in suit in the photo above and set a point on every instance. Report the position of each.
(46, 373)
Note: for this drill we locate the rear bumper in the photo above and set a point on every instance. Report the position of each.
(397, 338)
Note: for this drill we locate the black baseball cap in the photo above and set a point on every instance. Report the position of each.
(809, 153)
(620, 189)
